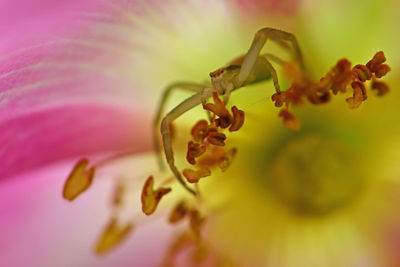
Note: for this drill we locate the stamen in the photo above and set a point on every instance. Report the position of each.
(290, 120)
(216, 138)
(194, 176)
(363, 73)
(150, 197)
(112, 236)
(342, 76)
(200, 254)
(381, 88)
(179, 212)
(118, 194)
(194, 151)
(199, 130)
(219, 109)
(79, 180)
(375, 65)
(359, 95)
(238, 119)
(225, 161)
(337, 80)
(196, 223)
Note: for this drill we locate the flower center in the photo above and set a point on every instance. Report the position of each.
(314, 176)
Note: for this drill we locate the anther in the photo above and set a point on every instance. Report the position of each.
(151, 198)
(179, 212)
(216, 138)
(289, 120)
(382, 70)
(238, 119)
(362, 72)
(342, 76)
(199, 130)
(225, 161)
(79, 180)
(112, 235)
(194, 151)
(196, 223)
(378, 59)
(118, 195)
(381, 88)
(194, 176)
(279, 98)
(219, 109)
(359, 95)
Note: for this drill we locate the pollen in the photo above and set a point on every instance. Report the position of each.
(151, 198)
(112, 236)
(79, 180)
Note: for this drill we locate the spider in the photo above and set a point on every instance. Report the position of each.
(246, 69)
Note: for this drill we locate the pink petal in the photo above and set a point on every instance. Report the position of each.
(39, 228)
(69, 131)
(25, 22)
(270, 7)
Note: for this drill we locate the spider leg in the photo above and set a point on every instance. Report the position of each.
(180, 109)
(192, 87)
(263, 62)
(276, 59)
(259, 41)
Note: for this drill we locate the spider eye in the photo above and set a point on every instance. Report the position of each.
(217, 73)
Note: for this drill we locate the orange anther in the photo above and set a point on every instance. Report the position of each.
(196, 222)
(79, 180)
(199, 130)
(179, 212)
(381, 88)
(279, 98)
(319, 97)
(342, 76)
(362, 72)
(382, 70)
(216, 138)
(194, 176)
(219, 109)
(194, 151)
(225, 161)
(359, 95)
(118, 194)
(112, 235)
(377, 60)
(238, 119)
(150, 197)
(289, 120)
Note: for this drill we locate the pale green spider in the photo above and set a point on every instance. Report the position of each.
(247, 69)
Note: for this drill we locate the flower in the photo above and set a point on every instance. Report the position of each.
(332, 183)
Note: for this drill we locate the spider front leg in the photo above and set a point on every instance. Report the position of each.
(192, 87)
(259, 41)
(186, 105)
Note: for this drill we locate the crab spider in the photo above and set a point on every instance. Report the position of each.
(250, 68)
